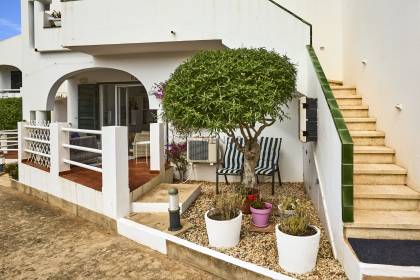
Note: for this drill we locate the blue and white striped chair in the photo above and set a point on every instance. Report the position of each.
(269, 157)
(233, 161)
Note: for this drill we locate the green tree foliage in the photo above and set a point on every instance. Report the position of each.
(10, 112)
(227, 90)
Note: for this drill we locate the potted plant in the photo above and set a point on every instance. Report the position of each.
(287, 206)
(12, 170)
(223, 222)
(55, 19)
(260, 212)
(249, 195)
(297, 242)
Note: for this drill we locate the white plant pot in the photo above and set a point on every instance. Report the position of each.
(297, 254)
(223, 234)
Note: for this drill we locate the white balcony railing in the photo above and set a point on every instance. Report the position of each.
(81, 148)
(10, 93)
(9, 141)
(37, 143)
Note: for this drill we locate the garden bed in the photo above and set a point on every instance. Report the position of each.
(259, 247)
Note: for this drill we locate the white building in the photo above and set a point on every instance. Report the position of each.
(90, 72)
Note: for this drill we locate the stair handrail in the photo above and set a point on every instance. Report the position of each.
(295, 16)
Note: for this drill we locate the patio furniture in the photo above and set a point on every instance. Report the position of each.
(268, 162)
(141, 144)
(233, 161)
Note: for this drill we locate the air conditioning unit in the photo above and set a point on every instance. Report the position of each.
(202, 150)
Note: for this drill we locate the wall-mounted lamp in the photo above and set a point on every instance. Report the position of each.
(399, 107)
(174, 215)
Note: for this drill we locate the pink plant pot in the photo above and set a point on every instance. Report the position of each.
(260, 216)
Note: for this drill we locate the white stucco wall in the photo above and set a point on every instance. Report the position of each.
(11, 51)
(326, 19)
(385, 34)
(322, 178)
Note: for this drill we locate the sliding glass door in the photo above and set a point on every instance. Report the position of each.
(124, 105)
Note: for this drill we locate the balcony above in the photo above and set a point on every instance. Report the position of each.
(112, 49)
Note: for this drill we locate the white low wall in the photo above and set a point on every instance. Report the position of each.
(61, 188)
(114, 199)
(322, 177)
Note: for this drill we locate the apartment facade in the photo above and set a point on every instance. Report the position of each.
(88, 73)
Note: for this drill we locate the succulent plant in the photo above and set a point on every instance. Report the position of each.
(226, 206)
(297, 225)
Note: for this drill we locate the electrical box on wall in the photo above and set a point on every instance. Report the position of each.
(308, 119)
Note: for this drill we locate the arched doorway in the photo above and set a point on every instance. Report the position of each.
(10, 80)
(97, 97)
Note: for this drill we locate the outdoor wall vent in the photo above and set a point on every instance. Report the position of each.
(308, 119)
(201, 150)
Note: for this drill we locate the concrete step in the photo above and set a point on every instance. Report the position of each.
(335, 83)
(343, 89)
(380, 224)
(348, 99)
(379, 174)
(354, 111)
(373, 154)
(361, 123)
(386, 197)
(156, 200)
(368, 138)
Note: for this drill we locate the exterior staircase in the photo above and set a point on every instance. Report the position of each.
(384, 206)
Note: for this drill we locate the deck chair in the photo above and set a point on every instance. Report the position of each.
(268, 162)
(233, 161)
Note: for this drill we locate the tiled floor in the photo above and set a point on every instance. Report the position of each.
(139, 174)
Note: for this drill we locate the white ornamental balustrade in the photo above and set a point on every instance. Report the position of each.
(37, 143)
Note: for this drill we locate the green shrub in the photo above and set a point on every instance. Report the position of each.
(10, 112)
(230, 90)
(13, 170)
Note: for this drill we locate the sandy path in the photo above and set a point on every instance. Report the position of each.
(39, 242)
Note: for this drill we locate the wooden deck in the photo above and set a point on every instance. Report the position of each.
(11, 155)
(139, 174)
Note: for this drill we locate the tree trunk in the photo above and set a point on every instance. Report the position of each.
(251, 154)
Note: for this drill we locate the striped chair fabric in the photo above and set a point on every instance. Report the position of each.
(269, 157)
(233, 159)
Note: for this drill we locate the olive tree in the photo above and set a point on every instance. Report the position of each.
(232, 90)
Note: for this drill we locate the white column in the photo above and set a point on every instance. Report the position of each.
(72, 103)
(41, 116)
(157, 157)
(115, 191)
(21, 146)
(58, 153)
(3, 143)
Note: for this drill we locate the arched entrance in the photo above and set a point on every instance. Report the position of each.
(10, 79)
(97, 97)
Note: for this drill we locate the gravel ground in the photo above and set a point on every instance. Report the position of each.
(260, 248)
(39, 242)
